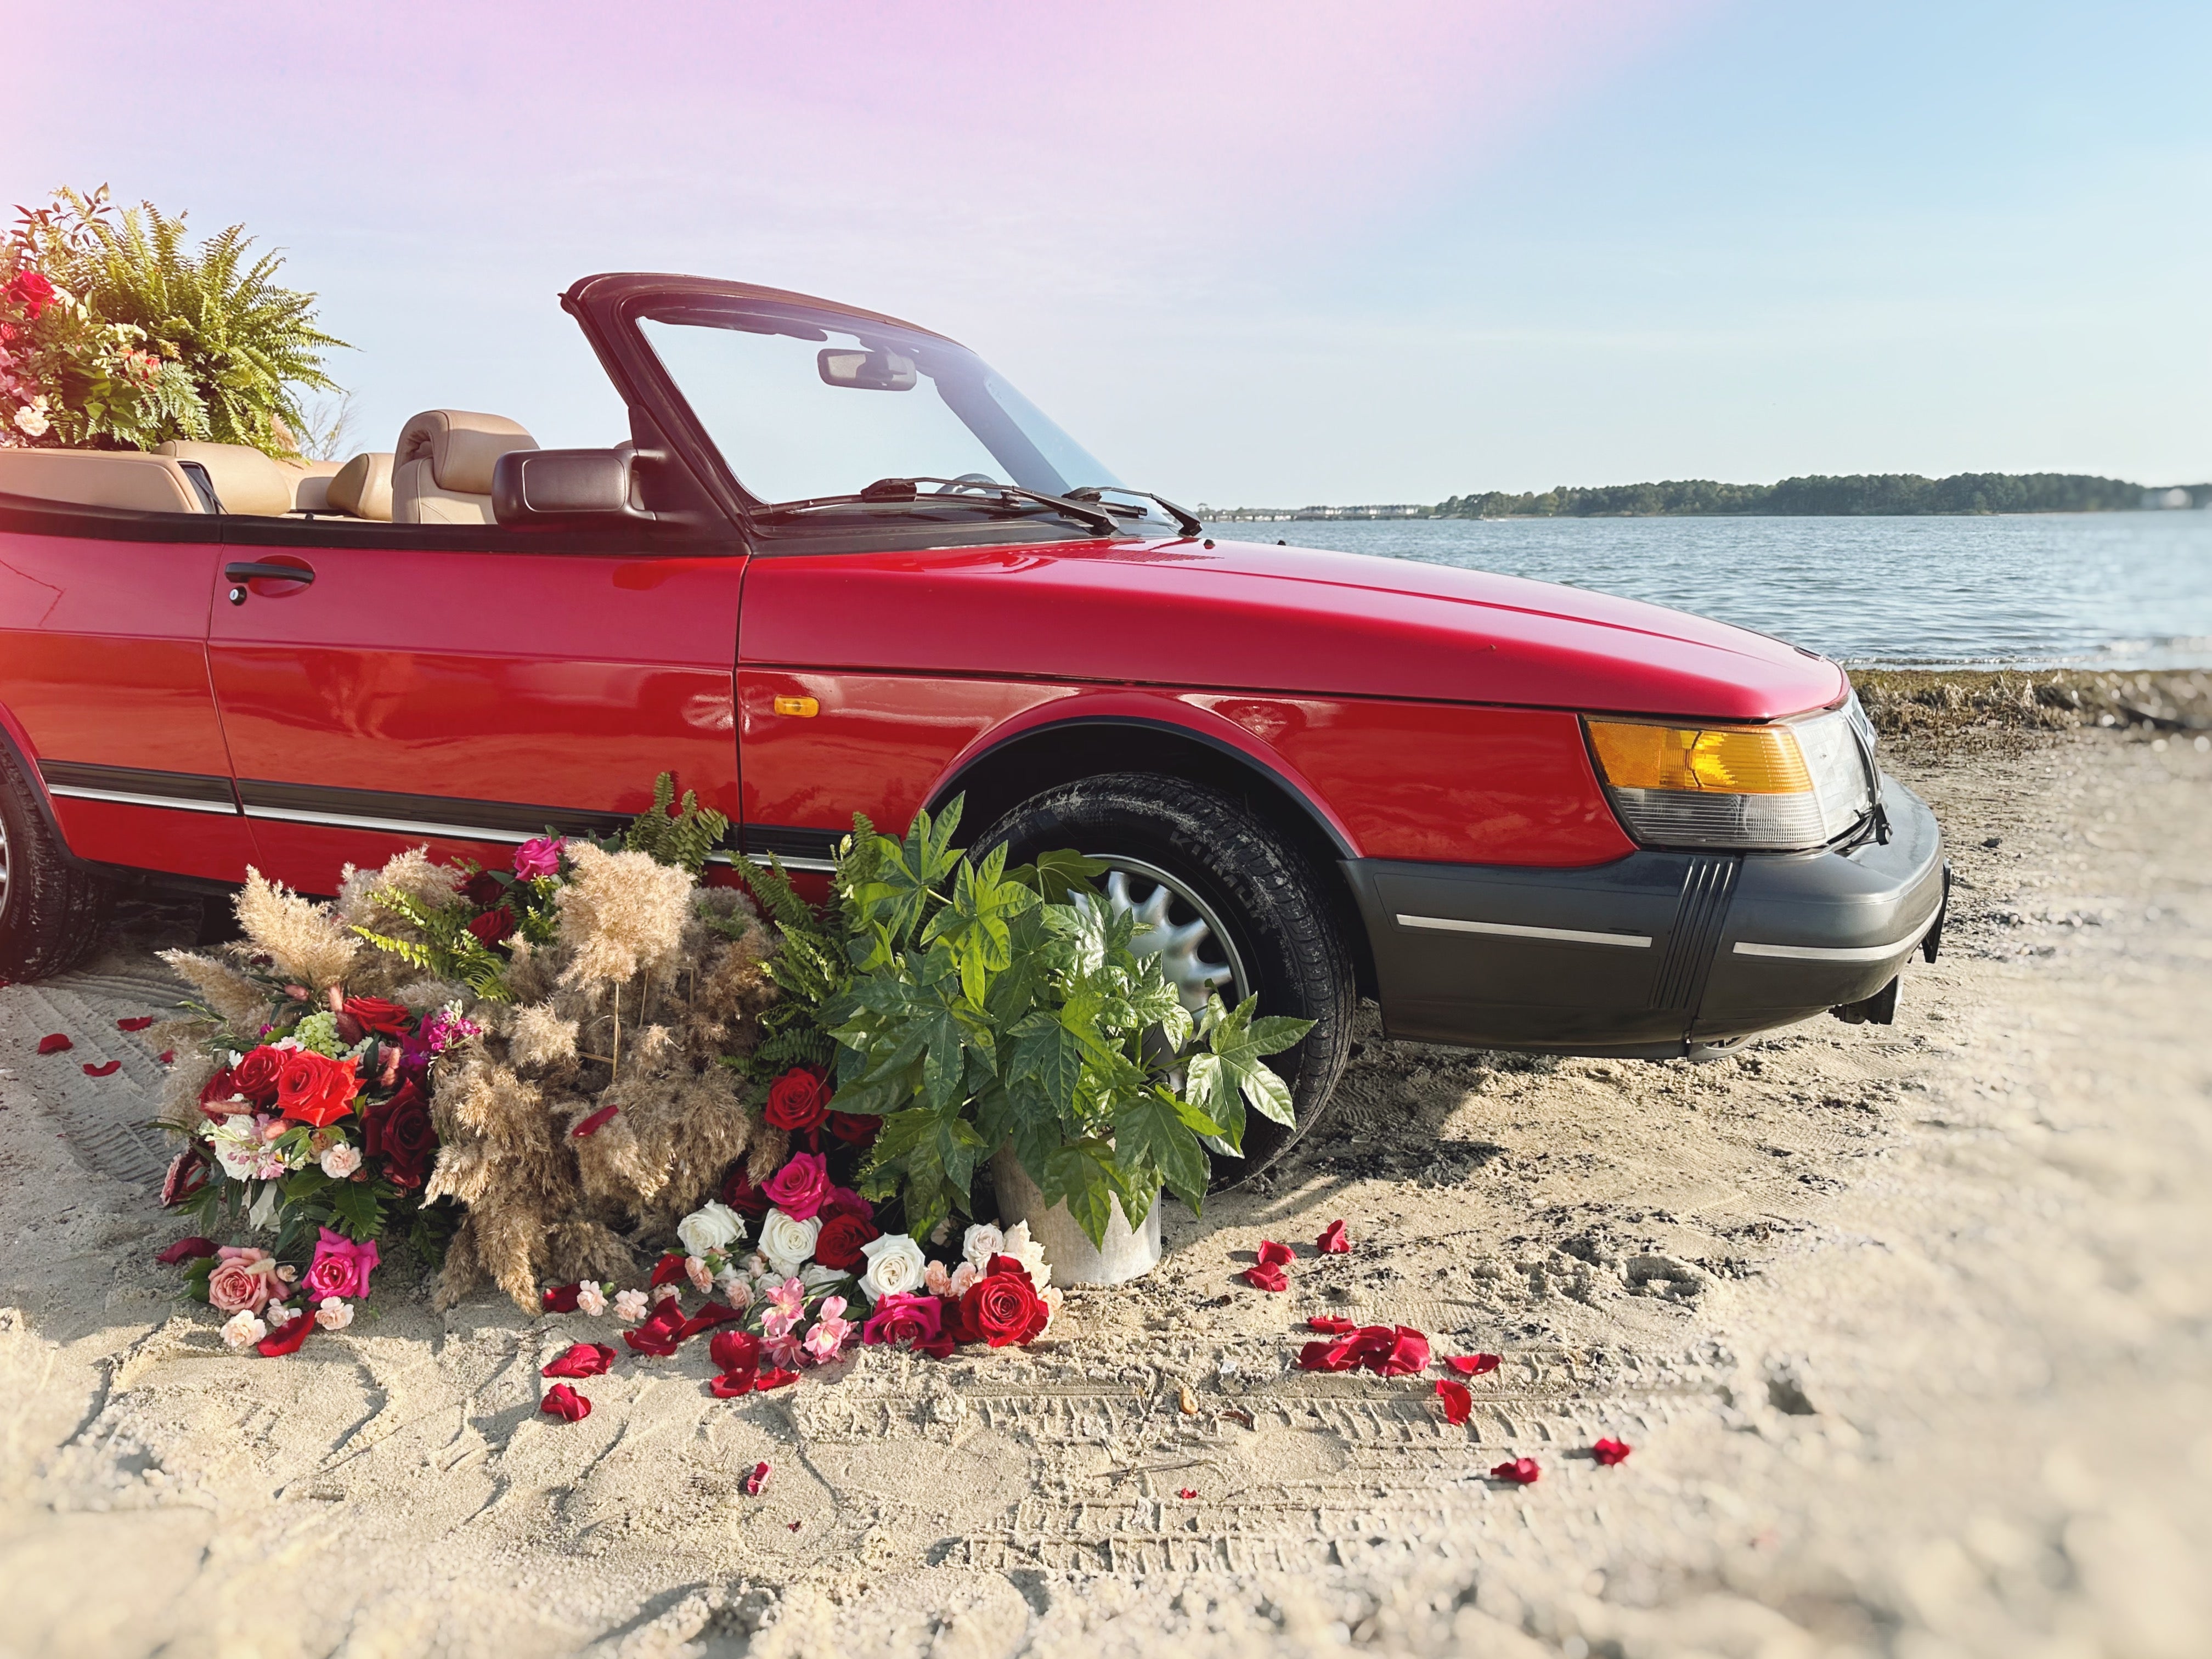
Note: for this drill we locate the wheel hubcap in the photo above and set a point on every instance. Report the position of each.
(1174, 924)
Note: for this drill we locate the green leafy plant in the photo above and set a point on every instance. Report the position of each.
(980, 1007)
(685, 836)
(447, 949)
(157, 340)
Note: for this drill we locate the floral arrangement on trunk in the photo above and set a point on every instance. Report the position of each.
(970, 1007)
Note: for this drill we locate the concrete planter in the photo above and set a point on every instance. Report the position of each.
(1130, 1253)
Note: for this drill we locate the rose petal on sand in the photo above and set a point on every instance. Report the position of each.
(1273, 1254)
(1474, 1365)
(755, 1480)
(167, 1057)
(1608, 1452)
(561, 1298)
(564, 1402)
(1394, 1352)
(1521, 1472)
(709, 1315)
(1340, 1355)
(1457, 1402)
(286, 1338)
(1332, 1241)
(734, 1351)
(581, 1359)
(774, 1377)
(733, 1385)
(669, 1270)
(1265, 1279)
(186, 1249)
(1186, 1493)
(109, 1070)
(138, 1024)
(1330, 1325)
(55, 1044)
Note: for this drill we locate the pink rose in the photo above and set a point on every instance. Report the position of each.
(341, 1268)
(538, 857)
(243, 1280)
(801, 1186)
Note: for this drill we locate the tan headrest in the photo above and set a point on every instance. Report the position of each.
(460, 446)
(311, 483)
(362, 487)
(91, 478)
(246, 480)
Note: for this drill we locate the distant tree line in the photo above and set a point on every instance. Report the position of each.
(1861, 493)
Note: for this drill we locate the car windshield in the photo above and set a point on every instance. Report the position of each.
(807, 404)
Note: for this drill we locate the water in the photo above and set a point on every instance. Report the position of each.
(2099, 590)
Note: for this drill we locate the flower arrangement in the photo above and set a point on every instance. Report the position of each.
(112, 333)
(968, 1006)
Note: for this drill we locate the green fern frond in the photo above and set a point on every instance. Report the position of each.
(685, 836)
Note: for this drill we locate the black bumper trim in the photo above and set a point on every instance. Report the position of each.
(1529, 958)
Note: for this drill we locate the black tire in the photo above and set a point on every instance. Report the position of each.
(1267, 894)
(49, 907)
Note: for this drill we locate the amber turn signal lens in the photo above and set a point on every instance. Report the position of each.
(805, 708)
(1732, 760)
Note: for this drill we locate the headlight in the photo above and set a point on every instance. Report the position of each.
(1754, 789)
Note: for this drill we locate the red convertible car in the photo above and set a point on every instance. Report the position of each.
(839, 565)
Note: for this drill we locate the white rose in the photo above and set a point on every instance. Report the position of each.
(710, 1230)
(279, 1315)
(629, 1305)
(1031, 1254)
(894, 1266)
(787, 1243)
(815, 1276)
(32, 424)
(591, 1299)
(983, 1242)
(341, 1160)
(333, 1313)
(243, 1330)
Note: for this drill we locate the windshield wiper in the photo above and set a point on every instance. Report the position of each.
(969, 493)
(1186, 520)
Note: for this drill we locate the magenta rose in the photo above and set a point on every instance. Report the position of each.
(538, 857)
(341, 1268)
(801, 1186)
(243, 1280)
(903, 1321)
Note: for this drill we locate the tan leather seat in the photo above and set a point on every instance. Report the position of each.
(246, 480)
(441, 471)
(98, 477)
(362, 487)
(311, 483)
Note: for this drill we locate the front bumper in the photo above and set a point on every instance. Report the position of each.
(1654, 956)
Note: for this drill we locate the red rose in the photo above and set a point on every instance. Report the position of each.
(217, 1093)
(375, 1014)
(398, 1130)
(839, 1243)
(1002, 1308)
(187, 1173)
(315, 1089)
(740, 1194)
(492, 926)
(853, 1129)
(484, 890)
(255, 1076)
(31, 291)
(798, 1100)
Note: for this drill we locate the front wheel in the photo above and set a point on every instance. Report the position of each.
(1230, 906)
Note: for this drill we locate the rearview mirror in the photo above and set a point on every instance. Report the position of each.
(562, 489)
(867, 371)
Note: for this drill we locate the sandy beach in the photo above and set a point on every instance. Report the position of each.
(1907, 1326)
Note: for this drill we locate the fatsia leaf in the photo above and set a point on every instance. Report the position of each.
(1148, 1133)
(1059, 873)
(1074, 1176)
(1210, 1086)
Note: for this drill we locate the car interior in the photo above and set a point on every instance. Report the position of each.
(440, 472)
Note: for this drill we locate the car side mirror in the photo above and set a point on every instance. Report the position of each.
(566, 488)
(867, 371)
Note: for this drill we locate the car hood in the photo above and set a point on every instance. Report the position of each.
(1241, 615)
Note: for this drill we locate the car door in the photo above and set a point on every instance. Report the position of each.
(103, 673)
(467, 686)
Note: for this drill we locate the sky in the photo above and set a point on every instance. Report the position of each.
(1247, 253)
